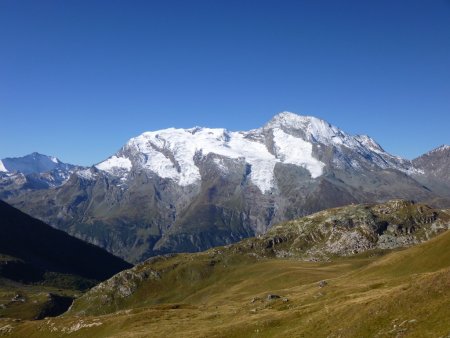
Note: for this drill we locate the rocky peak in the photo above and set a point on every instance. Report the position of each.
(435, 169)
(440, 149)
(32, 172)
(369, 143)
(286, 138)
(314, 129)
(33, 163)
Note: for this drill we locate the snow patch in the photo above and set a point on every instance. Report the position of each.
(440, 148)
(222, 167)
(2, 167)
(114, 163)
(86, 174)
(296, 151)
(370, 143)
(170, 153)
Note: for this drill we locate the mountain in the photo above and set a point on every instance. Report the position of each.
(32, 172)
(178, 190)
(32, 164)
(242, 290)
(42, 269)
(323, 236)
(434, 170)
(38, 246)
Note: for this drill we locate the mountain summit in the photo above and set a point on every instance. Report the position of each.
(288, 138)
(32, 172)
(31, 164)
(436, 165)
(178, 190)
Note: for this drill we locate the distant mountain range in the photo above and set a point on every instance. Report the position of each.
(178, 190)
(32, 172)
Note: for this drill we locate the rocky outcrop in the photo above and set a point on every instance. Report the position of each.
(326, 235)
(354, 229)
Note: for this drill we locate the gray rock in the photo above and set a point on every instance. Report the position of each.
(322, 283)
(271, 296)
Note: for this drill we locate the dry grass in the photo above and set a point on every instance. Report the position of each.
(402, 294)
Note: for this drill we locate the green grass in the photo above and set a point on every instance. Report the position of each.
(33, 300)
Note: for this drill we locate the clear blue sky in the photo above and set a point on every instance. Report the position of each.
(79, 78)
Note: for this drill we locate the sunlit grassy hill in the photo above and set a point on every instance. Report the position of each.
(248, 290)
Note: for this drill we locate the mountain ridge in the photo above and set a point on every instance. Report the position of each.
(34, 171)
(177, 190)
(49, 249)
(43, 269)
(164, 151)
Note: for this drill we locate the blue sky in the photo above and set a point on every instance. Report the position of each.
(79, 78)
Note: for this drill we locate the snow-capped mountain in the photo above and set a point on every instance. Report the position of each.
(32, 172)
(189, 189)
(31, 164)
(434, 167)
(288, 138)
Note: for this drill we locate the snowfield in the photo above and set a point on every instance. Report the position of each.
(288, 138)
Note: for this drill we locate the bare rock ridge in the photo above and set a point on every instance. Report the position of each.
(181, 190)
(353, 229)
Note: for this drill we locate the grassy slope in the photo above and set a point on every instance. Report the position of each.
(404, 293)
(42, 266)
(35, 301)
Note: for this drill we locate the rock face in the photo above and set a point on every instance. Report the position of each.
(434, 170)
(181, 190)
(352, 229)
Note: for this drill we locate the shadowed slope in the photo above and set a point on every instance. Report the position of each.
(46, 249)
